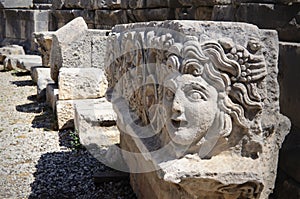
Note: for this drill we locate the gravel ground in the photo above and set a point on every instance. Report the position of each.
(37, 162)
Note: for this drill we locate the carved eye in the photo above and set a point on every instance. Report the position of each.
(169, 95)
(194, 95)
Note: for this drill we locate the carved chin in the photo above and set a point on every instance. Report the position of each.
(184, 136)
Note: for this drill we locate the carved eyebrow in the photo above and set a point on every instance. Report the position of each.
(197, 86)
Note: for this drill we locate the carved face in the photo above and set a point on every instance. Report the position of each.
(191, 106)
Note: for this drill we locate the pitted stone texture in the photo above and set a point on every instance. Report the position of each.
(78, 50)
(221, 71)
(66, 43)
(44, 42)
(52, 96)
(284, 18)
(10, 50)
(15, 3)
(81, 83)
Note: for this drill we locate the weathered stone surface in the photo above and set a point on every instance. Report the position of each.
(65, 113)
(289, 76)
(155, 14)
(198, 107)
(106, 19)
(70, 47)
(21, 23)
(93, 118)
(62, 17)
(284, 18)
(81, 83)
(99, 40)
(57, 4)
(52, 96)
(22, 62)
(44, 42)
(198, 13)
(42, 78)
(25, 62)
(15, 3)
(95, 122)
(10, 50)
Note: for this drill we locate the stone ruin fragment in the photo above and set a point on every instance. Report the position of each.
(197, 107)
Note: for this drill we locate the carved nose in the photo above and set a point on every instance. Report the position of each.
(177, 107)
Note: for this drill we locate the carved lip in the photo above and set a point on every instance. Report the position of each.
(178, 123)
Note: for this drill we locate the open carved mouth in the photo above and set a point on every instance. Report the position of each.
(178, 123)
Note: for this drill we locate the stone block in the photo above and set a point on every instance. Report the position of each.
(22, 62)
(155, 14)
(25, 62)
(43, 78)
(106, 19)
(81, 83)
(44, 42)
(15, 3)
(57, 4)
(38, 72)
(99, 40)
(10, 50)
(283, 18)
(198, 109)
(95, 122)
(21, 23)
(52, 96)
(70, 47)
(194, 13)
(65, 113)
(289, 76)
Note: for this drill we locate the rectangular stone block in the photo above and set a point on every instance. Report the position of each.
(289, 77)
(105, 19)
(95, 122)
(10, 50)
(71, 47)
(200, 117)
(21, 23)
(15, 3)
(22, 62)
(52, 96)
(99, 40)
(43, 78)
(283, 18)
(81, 83)
(197, 3)
(155, 14)
(194, 13)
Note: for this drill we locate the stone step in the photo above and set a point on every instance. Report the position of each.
(52, 96)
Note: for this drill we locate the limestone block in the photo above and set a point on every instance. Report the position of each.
(25, 62)
(15, 3)
(10, 50)
(155, 14)
(289, 76)
(197, 107)
(98, 47)
(37, 72)
(113, 4)
(105, 19)
(21, 23)
(43, 79)
(52, 96)
(81, 83)
(65, 113)
(198, 13)
(44, 42)
(70, 47)
(283, 18)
